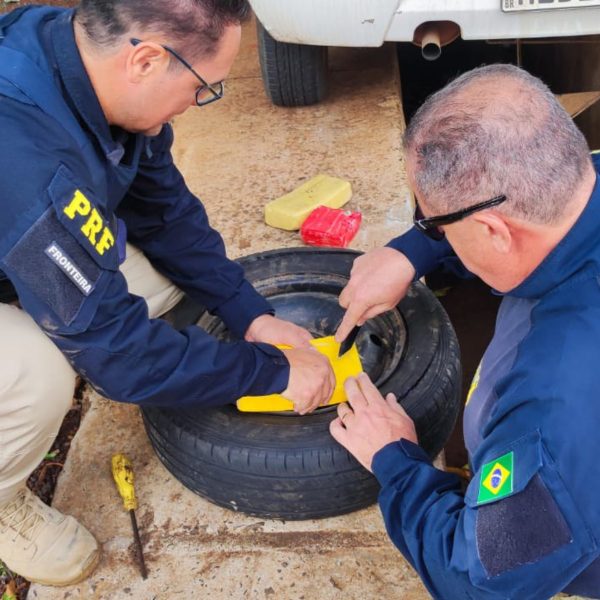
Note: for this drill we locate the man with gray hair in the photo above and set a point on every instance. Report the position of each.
(99, 235)
(502, 177)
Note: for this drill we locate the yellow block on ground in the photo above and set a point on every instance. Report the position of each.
(291, 210)
(348, 365)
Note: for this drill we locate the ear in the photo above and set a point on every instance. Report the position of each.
(146, 59)
(497, 230)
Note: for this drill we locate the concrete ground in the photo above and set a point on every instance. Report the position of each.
(238, 154)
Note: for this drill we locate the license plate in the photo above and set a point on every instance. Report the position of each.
(517, 5)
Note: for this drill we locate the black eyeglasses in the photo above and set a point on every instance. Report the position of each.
(206, 93)
(430, 226)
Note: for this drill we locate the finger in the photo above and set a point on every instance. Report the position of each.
(370, 392)
(308, 406)
(300, 404)
(304, 338)
(344, 297)
(327, 388)
(374, 311)
(356, 266)
(299, 408)
(350, 319)
(395, 405)
(358, 316)
(356, 397)
(319, 398)
(338, 431)
(391, 400)
(320, 395)
(332, 384)
(343, 411)
(299, 341)
(325, 396)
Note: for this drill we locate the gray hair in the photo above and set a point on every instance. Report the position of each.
(497, 130)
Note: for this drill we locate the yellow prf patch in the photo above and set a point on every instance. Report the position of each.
(96, 232)
(496, 479)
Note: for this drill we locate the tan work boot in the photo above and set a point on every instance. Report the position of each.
(43, 545)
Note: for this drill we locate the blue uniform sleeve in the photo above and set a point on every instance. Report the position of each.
(128, 357)
(167, 222)
(515, 533)
(57, 247)
(426, 254)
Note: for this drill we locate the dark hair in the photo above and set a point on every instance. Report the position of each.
(190, 26)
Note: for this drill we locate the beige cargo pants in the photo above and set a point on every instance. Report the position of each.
(37, 382)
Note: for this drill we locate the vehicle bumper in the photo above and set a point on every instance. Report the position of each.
(364, 23)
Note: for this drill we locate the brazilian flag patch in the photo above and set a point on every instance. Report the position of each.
(496, 479)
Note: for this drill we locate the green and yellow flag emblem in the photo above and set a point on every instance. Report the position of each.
(496, 479)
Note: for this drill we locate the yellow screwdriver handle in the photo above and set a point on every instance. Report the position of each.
(122, 471)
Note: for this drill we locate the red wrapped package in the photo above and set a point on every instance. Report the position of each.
(330, 227)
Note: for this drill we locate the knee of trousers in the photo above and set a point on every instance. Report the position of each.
(160, 294)
(36, 380)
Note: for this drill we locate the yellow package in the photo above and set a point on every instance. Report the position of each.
(348, 365)
(290, 211)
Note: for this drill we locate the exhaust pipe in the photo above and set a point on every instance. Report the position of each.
(431, 36)
(431, 46)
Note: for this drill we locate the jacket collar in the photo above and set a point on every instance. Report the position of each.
(78, 88)
(576, 257)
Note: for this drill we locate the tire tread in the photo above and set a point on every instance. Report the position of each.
(293, 74)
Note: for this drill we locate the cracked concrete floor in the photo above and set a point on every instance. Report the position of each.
(236, 155)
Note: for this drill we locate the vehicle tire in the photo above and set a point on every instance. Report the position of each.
(293, 74)
(287, 466)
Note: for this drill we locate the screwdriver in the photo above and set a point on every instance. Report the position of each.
(122, 471)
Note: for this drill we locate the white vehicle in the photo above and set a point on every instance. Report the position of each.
(294, 34)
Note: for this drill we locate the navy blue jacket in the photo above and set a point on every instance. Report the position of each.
(72, 189)
(528, 525)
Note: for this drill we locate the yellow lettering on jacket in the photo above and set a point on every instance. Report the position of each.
(80, 206)
(106, 241)
(93, 226)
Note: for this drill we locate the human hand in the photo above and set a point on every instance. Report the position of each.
(379, 279)
(311, 381)
(368, 422)
(271, 330)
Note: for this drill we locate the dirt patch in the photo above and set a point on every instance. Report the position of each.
(313, 542)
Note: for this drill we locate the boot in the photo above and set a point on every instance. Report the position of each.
(43, 545)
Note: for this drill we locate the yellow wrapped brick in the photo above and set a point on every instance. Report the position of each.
(290, 211)
(347, 365)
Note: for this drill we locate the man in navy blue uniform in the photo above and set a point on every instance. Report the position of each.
(91, 199)
(502, 177)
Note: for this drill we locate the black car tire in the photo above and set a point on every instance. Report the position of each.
(293, 74)
(289, 467)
